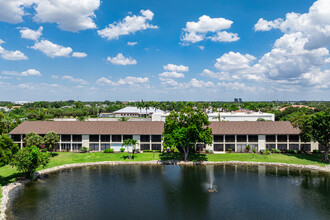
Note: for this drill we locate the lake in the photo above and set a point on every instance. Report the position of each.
(174, 192)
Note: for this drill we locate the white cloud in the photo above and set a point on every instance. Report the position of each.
(176, 68)
(55, 76)
(121, 60)
(26, 86)
(318, 78)
(195, 83)
(27, 33)
(73, 15)
(52, 50)
(79, 54)
(237, 86)
(216, 75)
(171, 75)
(12, 11)
(234, 61)
(132, 43)
(129, 80)
(314, 25)
(197, 31)
(76, 80)
(11, 55)
(31, 72)
(129, 25)
(224, 36)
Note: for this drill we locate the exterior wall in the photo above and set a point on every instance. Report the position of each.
(261, 142)
(85, 140)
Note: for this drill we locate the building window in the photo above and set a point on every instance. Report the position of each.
(254, 146)
(156, 138)
(305, 147)
(293, 138)
(218, 147)
(105, 146)
(270, 146)
(93, 138)
(253, 138)
(16, 137)
(105, 138)
(94, 147)
(145, 138)
(282, 146)
(230, 138)
(76, 138)
(66, 138)
(156, 146)
(145, 146)
(294, 146)
(230, 146)
(282, 138)
(125, 137)
(241, 147)
(76, 146)
(218, 138)
(66, 147)
(116, 138)
(270, 138)
(241, 138)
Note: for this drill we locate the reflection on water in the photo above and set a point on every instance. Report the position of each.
(174, 192)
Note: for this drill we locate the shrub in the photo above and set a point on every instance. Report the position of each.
(85, 150)
(290, 151)
(151, 151)
(122, 149)
(295, 151)
(273, 150)
(174, 150)
(316, 151)
(108, 150)
(254, 150)
(267, 151)
(277, 151)
(248, 148)
(230, 150)
(44, 150)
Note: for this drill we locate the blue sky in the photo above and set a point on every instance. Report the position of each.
(164, 50)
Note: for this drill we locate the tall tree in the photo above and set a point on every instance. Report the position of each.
(50, 140)
(127, 143)
(32, 139)
(185, 129)
(315, 127)
(7, 149)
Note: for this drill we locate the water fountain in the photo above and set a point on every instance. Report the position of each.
(210, 185)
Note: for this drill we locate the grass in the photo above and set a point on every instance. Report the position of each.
(9, 174)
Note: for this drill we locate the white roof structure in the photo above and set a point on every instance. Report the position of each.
(135, 110)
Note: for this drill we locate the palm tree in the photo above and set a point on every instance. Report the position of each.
(127, 143)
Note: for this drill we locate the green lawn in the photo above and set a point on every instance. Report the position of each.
(9, 174)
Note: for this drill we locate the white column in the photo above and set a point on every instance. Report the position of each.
(235, 142)
(99, 142)
(60, 142)
(276, 141)
(71, 142)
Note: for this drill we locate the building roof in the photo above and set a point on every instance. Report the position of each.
(149, 127)
(90, 127)
(132, 109)
(253, 127)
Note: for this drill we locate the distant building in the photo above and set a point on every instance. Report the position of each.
(131, 111)
(238, 100)
(4, 109)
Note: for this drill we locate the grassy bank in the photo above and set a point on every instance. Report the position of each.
(9, 174)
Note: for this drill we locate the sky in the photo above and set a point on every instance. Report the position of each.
(210, 50)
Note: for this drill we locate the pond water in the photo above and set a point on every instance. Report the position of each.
(174, 192)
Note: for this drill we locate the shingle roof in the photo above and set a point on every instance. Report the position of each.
(90, 127)
(150, 127)
(253, 127)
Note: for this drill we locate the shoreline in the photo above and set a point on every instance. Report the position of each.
(8, 188)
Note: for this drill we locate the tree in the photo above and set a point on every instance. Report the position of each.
(32, 139)
(50, 140)
(185, 129)
(315, 127)
(7, 149)
(28, 159)
(129, 142)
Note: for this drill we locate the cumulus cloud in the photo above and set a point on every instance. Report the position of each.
(129, 25)
(12, 11)
(75, 80)
(234, 61)
(73, 15)
(30, 34)
(171, 75)
(79, 54)
(176, 68)
(216, 75)
(314, 25)
(132, 43)
(121, 60)
(52, 50)
(29, 72)
(129, 80)
(198, 31)
(11, 55)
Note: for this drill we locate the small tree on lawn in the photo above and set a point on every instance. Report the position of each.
(28, 159)
(7, 150)
(186, 128)
(32, 139)
(315, 127)
(127, 143)
(51, 139)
